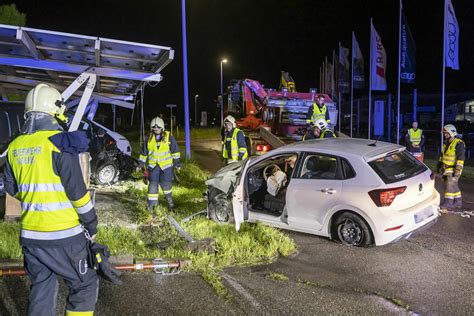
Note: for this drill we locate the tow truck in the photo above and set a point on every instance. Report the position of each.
(272, 118)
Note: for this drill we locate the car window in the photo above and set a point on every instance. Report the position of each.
(397, 166)
(4, 126)
(347, 169)
(316, 166)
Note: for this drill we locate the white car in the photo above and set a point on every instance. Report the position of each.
(359, 192)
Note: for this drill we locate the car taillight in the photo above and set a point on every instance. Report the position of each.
(263, 148)
(385, 197)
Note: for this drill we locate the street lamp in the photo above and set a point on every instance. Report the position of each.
(195, 110)
(223, 61)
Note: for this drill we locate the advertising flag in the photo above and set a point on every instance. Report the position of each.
(378, 61)
(451, 38)
(358, 62)
(407, 54)
(343, 70)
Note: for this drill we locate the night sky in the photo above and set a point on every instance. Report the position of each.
(260, 38)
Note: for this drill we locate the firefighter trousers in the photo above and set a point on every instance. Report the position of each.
(162, 178)
(44, 265)
(452, 193)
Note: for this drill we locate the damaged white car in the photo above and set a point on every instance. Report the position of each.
(359, 192)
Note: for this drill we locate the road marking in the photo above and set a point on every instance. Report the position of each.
(240, 289)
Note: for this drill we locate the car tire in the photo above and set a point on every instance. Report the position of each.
(106, 174)
(220, 208)
(352, 230)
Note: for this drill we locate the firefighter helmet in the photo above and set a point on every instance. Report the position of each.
(230, 119)
(157, 121)
(46, 99)
(321, 124)
(450, 129)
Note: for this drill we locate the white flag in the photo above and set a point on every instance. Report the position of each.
(378, 62)
(451, 37)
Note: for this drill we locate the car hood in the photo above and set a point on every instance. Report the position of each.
(226, 176)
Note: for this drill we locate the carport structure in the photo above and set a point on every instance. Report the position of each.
(87, 70)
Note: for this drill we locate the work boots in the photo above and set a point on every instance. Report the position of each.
(169, 201)
(447, 205)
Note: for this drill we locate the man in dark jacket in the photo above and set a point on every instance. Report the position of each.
(43, 172)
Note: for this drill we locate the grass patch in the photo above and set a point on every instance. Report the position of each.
(278, 276)
(155, 237)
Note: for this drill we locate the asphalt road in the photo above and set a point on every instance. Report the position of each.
(431, 273)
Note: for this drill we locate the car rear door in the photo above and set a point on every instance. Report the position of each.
(315, 190)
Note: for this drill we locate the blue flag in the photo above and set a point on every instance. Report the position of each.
(407, 56)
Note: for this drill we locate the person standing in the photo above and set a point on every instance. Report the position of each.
(450, 165)
(318, 111)
(319, 130)
(43, 172)
(160, 155)
(234, 144)
(415, 139)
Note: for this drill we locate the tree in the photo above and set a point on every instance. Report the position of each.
(10, 15)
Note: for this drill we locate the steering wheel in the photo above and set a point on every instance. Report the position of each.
(267, 169)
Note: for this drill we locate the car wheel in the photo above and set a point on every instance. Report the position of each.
(220, 208)
(106, 174)
(352, 230)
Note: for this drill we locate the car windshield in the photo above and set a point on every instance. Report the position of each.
(397, 166)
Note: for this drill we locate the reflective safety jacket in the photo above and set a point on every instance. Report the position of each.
(452, 157)
(236, 144)
(54, 199)
(315, 113)
(415, 136)
(164, 153)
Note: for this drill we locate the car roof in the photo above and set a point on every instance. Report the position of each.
(343, 146)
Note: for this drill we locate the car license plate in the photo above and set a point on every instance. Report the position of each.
(423, 214)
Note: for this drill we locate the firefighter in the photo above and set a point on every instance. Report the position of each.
(450, 165)
(234, 145)
(415, 139)
(43, 172)
(161, 155)
(319, 130)
(318, 111)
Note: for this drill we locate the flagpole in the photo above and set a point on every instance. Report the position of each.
(352, 79)
(324, 77)
(399, 60)
(319, 79)
(444, 72)
(333, 83)
(327, 74)
(370, 81)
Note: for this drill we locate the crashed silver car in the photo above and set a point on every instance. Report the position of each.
(358, 191)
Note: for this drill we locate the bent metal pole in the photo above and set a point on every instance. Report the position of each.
(157, 265)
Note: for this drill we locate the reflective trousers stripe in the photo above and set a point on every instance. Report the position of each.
(60, 234)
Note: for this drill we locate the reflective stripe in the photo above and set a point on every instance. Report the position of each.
(167, 191)
(60, 234)
(84, 209)
(82, 201)
(153, 198)
(74, 313)
(46, 207)
(41, 187)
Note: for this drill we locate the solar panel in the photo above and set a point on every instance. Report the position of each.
(29, 56)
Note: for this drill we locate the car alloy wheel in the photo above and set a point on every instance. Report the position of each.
(350, 233)
(107, 174)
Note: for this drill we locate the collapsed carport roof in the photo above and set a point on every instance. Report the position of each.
(29, 56)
